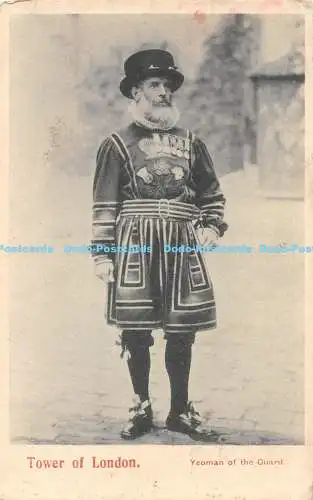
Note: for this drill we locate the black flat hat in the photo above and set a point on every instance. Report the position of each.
(149, 63)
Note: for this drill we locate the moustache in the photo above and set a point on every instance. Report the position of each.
(163, 102)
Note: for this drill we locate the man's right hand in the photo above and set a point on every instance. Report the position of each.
(104, 270)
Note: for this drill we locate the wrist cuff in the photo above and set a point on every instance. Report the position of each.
(101, 259)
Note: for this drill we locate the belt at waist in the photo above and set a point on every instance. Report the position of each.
(160, 209)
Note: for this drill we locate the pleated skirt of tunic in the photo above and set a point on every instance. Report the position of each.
(158, 288)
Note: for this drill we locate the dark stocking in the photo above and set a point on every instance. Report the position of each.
(139, 361)
(177, 362)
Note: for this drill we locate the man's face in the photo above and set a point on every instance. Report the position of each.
(153, 100)
(156, 91)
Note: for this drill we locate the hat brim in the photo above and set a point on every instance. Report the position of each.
(175, 77)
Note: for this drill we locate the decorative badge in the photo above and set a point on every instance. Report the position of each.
(165, 145)
(178, 173)
(145, 175)
(150, 147)
(161, 167)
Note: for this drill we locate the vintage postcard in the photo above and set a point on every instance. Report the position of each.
(156, 250)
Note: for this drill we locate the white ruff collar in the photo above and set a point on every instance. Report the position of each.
(139, 119)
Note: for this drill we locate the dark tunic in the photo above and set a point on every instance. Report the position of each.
(138, 170)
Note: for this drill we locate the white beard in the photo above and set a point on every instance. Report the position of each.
(154, 117)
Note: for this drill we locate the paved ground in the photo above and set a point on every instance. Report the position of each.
(68, 385)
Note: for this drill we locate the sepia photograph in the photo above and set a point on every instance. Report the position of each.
(157, 235)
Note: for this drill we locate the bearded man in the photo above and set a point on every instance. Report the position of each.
(155, 188)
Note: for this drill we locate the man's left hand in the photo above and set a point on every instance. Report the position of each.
(207, 236)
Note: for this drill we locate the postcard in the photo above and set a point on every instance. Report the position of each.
(156, 250)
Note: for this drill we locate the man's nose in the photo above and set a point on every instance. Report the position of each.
(162, 90)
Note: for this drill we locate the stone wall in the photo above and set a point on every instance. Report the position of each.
(281, 136)
(221, 101)
(279, 89)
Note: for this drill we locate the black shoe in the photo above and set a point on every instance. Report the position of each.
(191, 424)
(140, 421)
